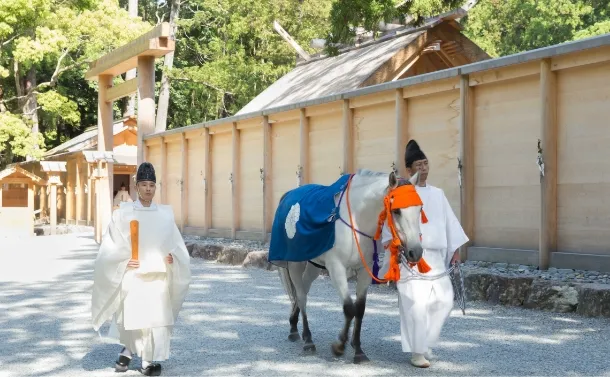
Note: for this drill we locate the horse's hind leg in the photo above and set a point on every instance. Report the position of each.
(294, 321)
(294, 312)
(338, 277)
(301, 288)
(364, 280)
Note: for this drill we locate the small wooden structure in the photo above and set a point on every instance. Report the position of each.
(76, 190)
(17, 201)
(54, 171)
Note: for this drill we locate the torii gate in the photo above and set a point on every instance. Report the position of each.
(141, 54)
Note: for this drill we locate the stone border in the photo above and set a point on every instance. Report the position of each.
(592, 300)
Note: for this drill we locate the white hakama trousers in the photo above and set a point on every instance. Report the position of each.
(144, 321)
(424, 307)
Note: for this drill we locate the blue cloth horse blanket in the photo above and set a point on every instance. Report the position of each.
(304, 223)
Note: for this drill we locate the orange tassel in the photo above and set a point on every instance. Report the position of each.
(424, 219)
(423, 266)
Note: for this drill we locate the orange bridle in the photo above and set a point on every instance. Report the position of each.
(400, 197)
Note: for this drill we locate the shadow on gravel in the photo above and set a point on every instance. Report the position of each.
(235, 323)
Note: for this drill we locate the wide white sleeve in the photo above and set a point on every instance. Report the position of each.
(456, 237)
(179, 272)
(109, 269)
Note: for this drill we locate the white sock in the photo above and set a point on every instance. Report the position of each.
(126, 352)
(145, 364)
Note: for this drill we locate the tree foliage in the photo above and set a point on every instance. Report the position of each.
(347, 15)
(504, 27)
(43, 41)
(227, 52)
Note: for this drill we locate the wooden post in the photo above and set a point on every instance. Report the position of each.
(53, 199)
(31, 205)
(0, 194)
(234, 183)
(184, 182)
(348, 138)
(163, 176)
(207, 179)
(70, 197)
(548, 183)
(90, 192)
(43, 201)
(402, 134)
(80, 195)
(304, 148)
(267, 177)
(146, 101)
(104, 144)
(467, 161)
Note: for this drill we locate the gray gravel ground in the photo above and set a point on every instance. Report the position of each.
(234, 323)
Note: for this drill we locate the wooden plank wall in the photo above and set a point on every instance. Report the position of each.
(583, 111)
(491, 121)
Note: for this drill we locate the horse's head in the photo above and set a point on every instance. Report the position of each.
(406, 208)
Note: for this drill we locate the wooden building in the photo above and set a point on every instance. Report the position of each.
(480, 125)
(17, 188)
(75, 198)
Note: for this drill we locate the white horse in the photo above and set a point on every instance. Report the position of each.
(366, 200)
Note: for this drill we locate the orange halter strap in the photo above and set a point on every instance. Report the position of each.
(400, 197)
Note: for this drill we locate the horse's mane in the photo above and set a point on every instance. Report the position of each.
(376, 174)
(370, 173)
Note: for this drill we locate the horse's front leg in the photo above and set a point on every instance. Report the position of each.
(338, 276)
(364, 280)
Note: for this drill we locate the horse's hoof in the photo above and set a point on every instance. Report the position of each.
(361, 358)
(294, 337)
(338, 349)
(309, 348)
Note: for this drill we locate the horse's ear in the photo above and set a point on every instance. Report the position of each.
(414, 179)
(393, 181)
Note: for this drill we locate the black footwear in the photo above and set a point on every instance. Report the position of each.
(153, 369)
(122, 364)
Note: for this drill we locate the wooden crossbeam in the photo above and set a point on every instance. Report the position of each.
(155, 43)
(122, 90)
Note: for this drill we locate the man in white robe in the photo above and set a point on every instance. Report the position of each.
(122, 196)
(425, 305)
(141, 297)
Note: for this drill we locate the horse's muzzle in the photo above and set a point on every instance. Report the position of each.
(413, 253)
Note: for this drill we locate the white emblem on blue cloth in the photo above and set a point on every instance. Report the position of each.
(292, 219)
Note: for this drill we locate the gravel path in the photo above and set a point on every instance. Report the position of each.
(234, 323)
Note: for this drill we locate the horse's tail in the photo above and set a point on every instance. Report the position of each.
(287, 284)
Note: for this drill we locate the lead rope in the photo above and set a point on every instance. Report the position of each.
(349, 211)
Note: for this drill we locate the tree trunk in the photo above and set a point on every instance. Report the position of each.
(2, 106)
(161, 122)
(131, 74)
(30, 108)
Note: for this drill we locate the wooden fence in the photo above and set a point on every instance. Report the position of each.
(224, 178)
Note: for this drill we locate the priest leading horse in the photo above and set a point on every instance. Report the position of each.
(306, 236)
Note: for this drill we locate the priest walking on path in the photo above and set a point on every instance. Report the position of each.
(425, 304)
(143, 293)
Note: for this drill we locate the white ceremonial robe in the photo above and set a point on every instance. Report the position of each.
(121, 196)
(425, 305)
(142, 303)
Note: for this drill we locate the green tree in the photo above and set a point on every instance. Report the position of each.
(504, 27)
(347, 15)
(227, 52)
(45, 48)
